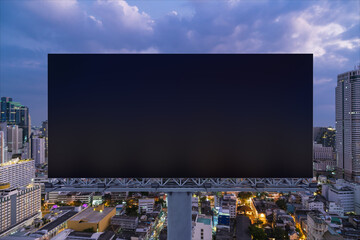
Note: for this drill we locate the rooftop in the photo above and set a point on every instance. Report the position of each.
(205, 221)
(50, 226)
(15, 161)
(92, 216)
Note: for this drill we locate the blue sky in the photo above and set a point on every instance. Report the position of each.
(29, 30)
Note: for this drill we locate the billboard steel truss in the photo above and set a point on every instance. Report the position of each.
(180, 184)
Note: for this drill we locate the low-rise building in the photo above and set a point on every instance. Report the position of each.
(54, 227)
(334, 208)
(230, 205)
(97, 219)
(125, 222)
(344, 196)
(146, 205)
(316, 226)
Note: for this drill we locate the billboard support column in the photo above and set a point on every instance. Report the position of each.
(179, 216)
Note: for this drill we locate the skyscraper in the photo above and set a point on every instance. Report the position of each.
(15, 114)
(38, 150)
(45, 134)
(2, 147)
(14, 139)
(348, 125)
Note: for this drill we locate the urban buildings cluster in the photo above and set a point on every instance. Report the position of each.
(27, 211)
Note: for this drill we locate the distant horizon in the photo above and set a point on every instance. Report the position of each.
(29, 30)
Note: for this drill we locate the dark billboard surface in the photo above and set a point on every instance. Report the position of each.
(180, 115)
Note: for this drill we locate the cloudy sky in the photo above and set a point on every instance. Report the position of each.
(29, 30)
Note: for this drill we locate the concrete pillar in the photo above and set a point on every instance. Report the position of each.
(179, 216)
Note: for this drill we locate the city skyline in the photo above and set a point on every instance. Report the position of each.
(30, 30)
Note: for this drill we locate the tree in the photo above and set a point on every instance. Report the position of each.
(244, 195)
(319, 190)
(281, 203)
(131, 210)
(257, 233)
(280, 234)
(77, 203)
(258, 222)
(202, 199)
(263, 195)
(161, 201)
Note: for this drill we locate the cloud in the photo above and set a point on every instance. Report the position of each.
(59, 11)
(322, 81)
(97, 21)
(121, 14)
(173, 13)
(328, 29)
(320, 30)
(233, 3)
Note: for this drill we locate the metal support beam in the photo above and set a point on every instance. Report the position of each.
(180, 184)
(179, 216)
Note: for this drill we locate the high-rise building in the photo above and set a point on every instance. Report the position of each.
(25, 153)
(348, 125)
(45, 134)
(38, 150)
(18, 205)
(2, 147)
(16, 114)
(14, 139)
(17, 172)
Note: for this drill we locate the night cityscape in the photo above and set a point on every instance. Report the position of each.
(35, 207)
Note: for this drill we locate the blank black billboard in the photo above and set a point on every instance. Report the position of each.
(180, 115)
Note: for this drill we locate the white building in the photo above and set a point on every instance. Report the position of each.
(316, 227)
(53, 197)
(315, 205)
(38, 150)
(348, 124)
(202, 228)
(68, 197)
(334, 208)
(343, 193)
(17, 205)
(356, 188)
(17, 172)
(146, 205)
(343, 196)
(305, 198)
